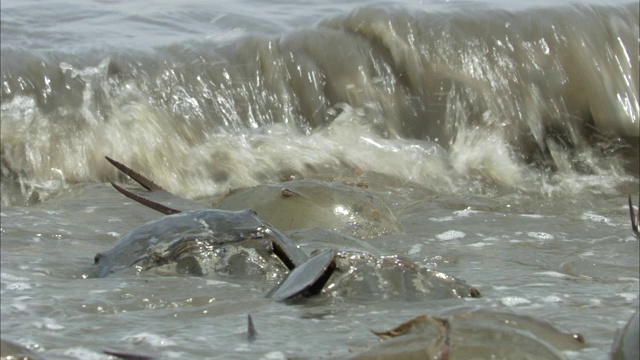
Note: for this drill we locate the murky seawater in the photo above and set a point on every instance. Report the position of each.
(578, 268)
(505, 150)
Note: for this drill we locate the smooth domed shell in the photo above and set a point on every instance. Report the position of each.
(363, 275)
(464, 332)
(309, 203)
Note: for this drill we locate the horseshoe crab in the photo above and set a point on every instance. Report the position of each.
(190, 240)
(298, 204)
(356, 274)
(468, 332)
(196, 239)
(350, 209)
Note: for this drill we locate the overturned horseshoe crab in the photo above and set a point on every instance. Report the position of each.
(468, 332)
(190, 240)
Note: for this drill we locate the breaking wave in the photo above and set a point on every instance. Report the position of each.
(539, 101)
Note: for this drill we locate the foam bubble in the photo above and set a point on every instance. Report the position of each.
(275, 355)
(451, 235)
(597, 218)
(18, 286)
(48, 324)
(480, 244)
(514, 301)
(151, 339)
(83, 354)
(552, 274)
(415, 249)
(540, 235)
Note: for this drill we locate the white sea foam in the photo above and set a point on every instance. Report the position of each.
(8, 277)
(48, 324)
(597, 218)
(552, 274)
(415, 248)
(18, 286)
(533, 216)
(442, 219)
(465, 213)
(540, 235)
(451, 235)
(275, 355)
(630, 297)
(154, 340)
(81, 353)
(480, 244)
(514, 301)
(552, 299)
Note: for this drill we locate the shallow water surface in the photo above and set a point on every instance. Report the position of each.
(577, 268)
(504, 140)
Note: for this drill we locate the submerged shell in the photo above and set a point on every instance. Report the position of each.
(356, 274)
(362, 272)
(365, 276)
(464, 333)
(197, 242)
(310, 203)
